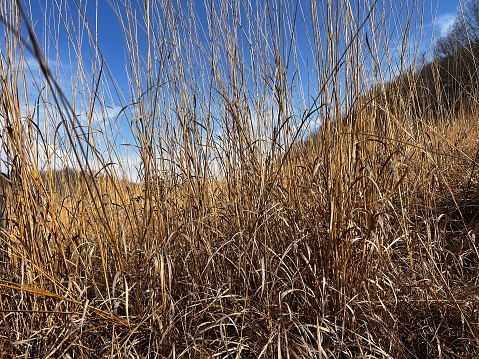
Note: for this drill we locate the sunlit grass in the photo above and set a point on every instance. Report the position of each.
(237, 235)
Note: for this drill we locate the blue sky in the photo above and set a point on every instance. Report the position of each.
(105, 23)
(112, 44)
(446, 13)
(111, 41)
(104, 26)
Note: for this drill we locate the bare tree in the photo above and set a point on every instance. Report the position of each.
(464, 34)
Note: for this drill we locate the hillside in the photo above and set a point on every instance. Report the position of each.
(233, 241)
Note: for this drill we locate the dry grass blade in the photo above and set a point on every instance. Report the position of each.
(270, 180)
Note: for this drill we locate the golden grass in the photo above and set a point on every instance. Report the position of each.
(361, 243)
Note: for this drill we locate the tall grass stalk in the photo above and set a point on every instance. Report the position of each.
(289, 198)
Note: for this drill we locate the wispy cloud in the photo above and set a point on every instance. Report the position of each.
(444, 22)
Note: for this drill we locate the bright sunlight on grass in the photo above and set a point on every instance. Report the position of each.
(237, 180)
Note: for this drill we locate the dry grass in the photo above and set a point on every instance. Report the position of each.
(239, 240)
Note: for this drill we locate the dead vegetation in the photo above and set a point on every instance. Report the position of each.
(238, 239)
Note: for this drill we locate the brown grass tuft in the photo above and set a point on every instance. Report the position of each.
(236, 238)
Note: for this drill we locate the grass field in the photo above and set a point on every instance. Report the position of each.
(280, 208)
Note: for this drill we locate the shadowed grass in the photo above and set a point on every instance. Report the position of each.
(235, 238)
